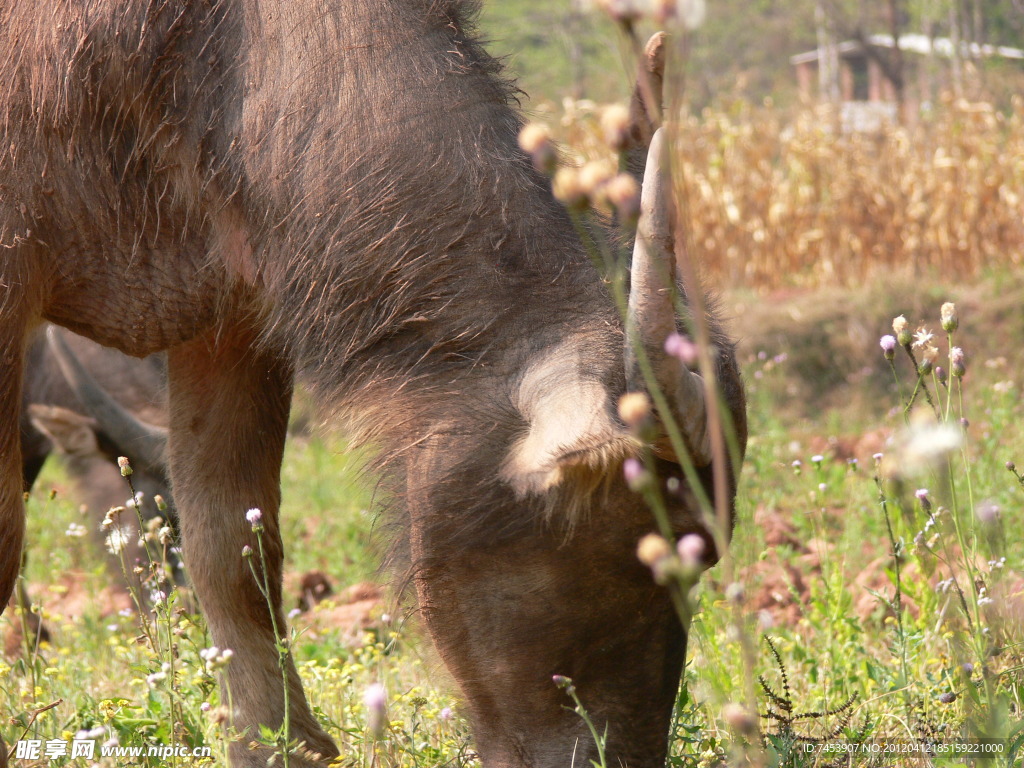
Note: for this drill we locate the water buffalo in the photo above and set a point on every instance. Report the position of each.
(73, 386)
(335, 187)
(91, 405)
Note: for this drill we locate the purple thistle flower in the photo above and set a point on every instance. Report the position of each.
(634, 473)
(888, 345)
(681, 348)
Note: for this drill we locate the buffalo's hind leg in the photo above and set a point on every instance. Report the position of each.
(229, 409)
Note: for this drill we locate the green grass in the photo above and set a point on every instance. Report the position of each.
(904, 671)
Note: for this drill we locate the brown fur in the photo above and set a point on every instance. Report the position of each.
(335, 187)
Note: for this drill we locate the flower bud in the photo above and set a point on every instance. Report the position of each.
(950, 321)
(126, 468)
(375, 699)
(958, 363)
(615, 126)
(594, 176)
(635, 474)
(738, 718)
(535, 140)
(681, 348)
(567, 188)
(652, 549)
(902, 331)
(691, 551)
(888, 345)
(634, 408)
(624, 193)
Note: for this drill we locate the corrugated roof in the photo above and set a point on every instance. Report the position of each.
(921, 44)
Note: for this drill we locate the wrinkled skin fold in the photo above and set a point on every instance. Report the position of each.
(266, 187)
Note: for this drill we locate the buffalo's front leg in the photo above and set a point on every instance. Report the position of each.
(229, 410)
(507, 617)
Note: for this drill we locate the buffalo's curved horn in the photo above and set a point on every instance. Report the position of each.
(652, 317)
(145, 444)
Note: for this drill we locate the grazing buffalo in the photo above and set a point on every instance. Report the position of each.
(262, 187)
(91, 405)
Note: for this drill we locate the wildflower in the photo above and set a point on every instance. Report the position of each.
(987, 512)
(255, 518)
(924, 445)
(567, 189)
(681, 348)
(155, 678)
(983, 598)
(594, 177)
(246, 551)
(535, 140)
(126, 468)
(215, 658)
(635, 474)
(928, 357)
(205, 706)
(166, 535)
(615, 126)
(118, 539)
(822, 487)
(445, 714)
(958, 365)
(947, 698)
(949, 318)
(375, 699)
(888, 345)
(922, 497)
(634, 408)
(902, 330)
(75, 530)
(738, 718)
(652, 549)
(797, 465)
(967, 668)
(135, 502)
(624, 193)
(734, 592)
(1011, 466)
(564, 683)
(816, 459)
(294, 612)
(160, 503)
(940, 374)
(112, 514)
(691, 551)
(922, 337)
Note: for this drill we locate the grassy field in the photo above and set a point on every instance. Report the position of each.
(873, 594)
(880, 646)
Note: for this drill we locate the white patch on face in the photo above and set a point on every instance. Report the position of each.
(567, 408)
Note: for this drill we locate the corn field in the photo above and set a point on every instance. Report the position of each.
(774, 199)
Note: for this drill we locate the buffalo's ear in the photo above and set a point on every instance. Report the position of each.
(570, 434)
(70, 432)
